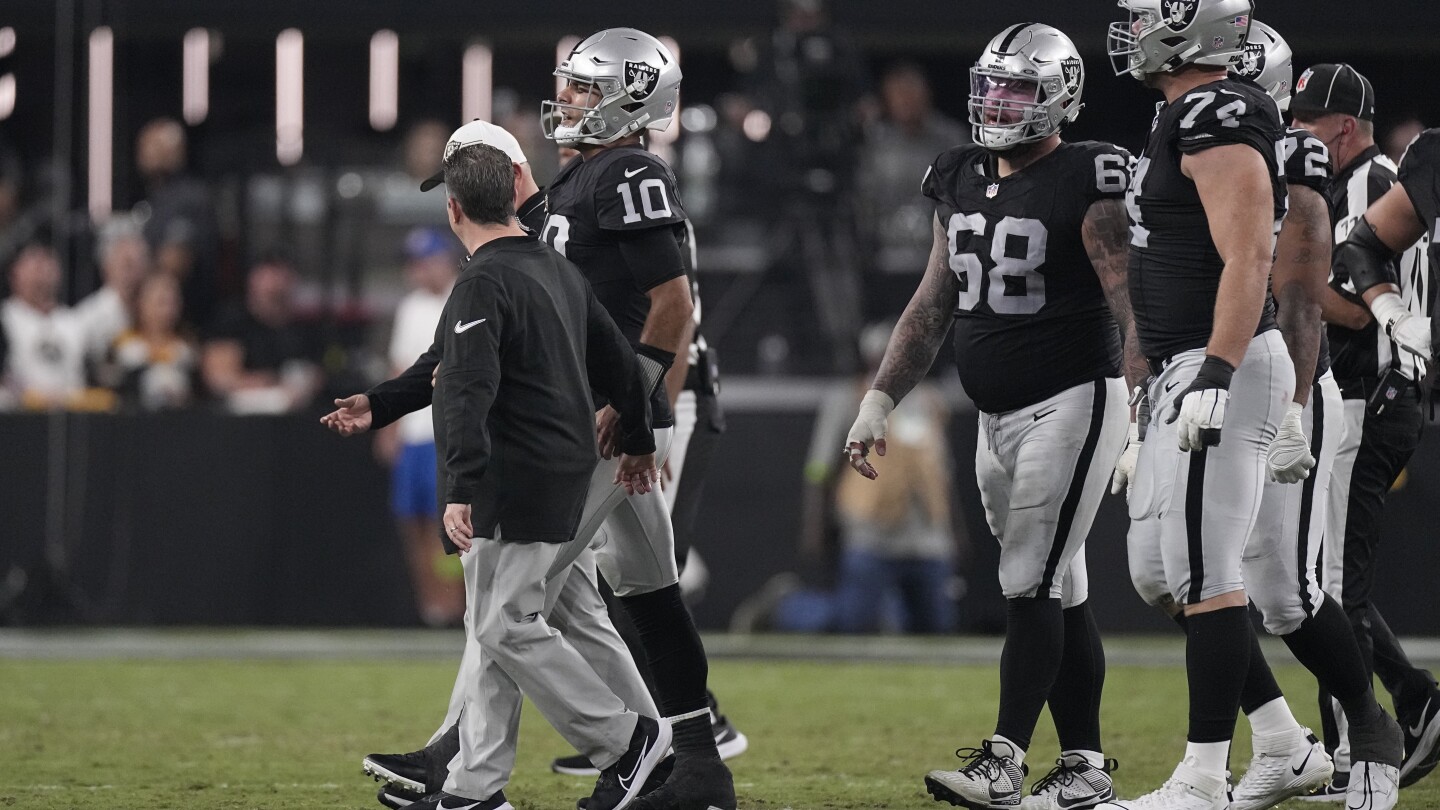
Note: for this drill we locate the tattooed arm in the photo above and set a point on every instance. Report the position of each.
(1301, 270)
(923, 325)
(1106, 233)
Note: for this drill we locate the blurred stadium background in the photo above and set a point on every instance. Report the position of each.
(304, 126)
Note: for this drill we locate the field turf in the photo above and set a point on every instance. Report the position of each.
(201, 734)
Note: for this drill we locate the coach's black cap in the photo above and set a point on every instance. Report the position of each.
(1334, 89)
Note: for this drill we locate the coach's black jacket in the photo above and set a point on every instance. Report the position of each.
(522, 341)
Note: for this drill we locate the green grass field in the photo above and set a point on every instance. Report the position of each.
(126, 735)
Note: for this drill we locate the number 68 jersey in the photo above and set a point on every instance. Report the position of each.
(1031, 319)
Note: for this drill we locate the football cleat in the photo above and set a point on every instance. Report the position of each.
(697, 782)
(1278, 772)
(1333, 792)
(1186, 789)
(1373, 786)
(1422, 742)
(421, 772)
(439, 800)
(395, 798)
(989, 778)
(1072, 784)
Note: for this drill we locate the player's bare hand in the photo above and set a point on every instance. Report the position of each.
(868, 431)
(351, 416)
(457, 525)
(637, 473)
(435, 376)
(607, 432)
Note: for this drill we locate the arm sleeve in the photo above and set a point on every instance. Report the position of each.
(653, 256)
(407, 393)
(469, 381)
(614, 372)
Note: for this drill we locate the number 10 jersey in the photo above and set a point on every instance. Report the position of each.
(1031, 320)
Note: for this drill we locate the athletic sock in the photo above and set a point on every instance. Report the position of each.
(1095, 758)
(1034, 644)
(1075, 695)
(1208, 757)
(693, 735)
(1260, 686)
(1274, 727)
(1217, 656)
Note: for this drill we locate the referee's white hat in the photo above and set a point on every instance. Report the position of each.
(476, 132)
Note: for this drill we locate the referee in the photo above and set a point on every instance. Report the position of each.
(1379, 345)
(514, 429)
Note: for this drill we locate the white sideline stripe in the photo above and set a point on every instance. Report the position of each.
(321, 645)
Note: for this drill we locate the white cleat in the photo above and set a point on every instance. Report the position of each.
(1279, 772)
(1373, 786)
(1186, 789)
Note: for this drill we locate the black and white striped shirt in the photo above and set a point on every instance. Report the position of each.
(1368, 353)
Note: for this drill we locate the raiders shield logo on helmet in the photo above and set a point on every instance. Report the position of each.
(1252, 61)
(1070, 69)
(1179, 13)
(640, 79)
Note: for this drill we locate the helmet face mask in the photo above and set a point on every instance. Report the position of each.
(618, 82)
(1025, 87)
(1161, 36)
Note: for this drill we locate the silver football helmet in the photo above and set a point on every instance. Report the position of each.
(1267, 62)
(637, 80)
(1163, 35)
(1025, 86)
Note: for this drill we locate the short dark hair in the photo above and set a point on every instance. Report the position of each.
(482, 179)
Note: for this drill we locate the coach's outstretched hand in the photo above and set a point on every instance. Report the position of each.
(352, 416)
(1201, 407)
(637, 473)
(869, 429)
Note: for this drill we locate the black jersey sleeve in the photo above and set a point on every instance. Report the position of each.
(634, 191)
(1220, 117)
(531, 213)
(940, 177)
(1112, 166)
(1307, 161)
(1420, 173)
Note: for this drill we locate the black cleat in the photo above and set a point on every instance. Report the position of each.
(1422, 742)
(728, 741)
(697, 784)
(395, 798)
(420, 772)
(440, 800)
(619, 784)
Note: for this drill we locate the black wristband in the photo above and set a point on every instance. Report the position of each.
(659, 355)
(1215, 373)
(654, 364)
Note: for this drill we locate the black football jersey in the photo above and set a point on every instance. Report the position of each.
(1420, 175)
(591, 205)
(1307, 163)
(1174, 266)
(1031, 320)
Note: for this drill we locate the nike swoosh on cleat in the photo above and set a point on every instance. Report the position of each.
(1303, 762)
(461, 327)
(629, 173)
(443, 806)
(1420, 726)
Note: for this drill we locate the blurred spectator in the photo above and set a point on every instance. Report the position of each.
(1400, 137)
(124, 258)
(177, 212)
(897, 543)
(423, 148)
(46, 359)
(432, 263)
(894, 216)
(257, 357)
(810, 84)
(156, 363)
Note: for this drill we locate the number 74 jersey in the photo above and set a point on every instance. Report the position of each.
(1031, 319)
(593, 204)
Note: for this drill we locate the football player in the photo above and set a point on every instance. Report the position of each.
(1028, 263)
(614, 211)
(1206, 201)
(1278, 566)
(1380, 332)
(1395, 223)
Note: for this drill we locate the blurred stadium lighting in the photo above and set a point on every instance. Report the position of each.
(477, 83)
(289, 96)
(101, 122)
(195, 95)
(384, 79)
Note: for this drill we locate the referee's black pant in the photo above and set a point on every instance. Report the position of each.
(1385, 443)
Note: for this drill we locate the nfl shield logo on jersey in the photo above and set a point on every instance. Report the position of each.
(1180, 13)
(992, 190)
(640, 79)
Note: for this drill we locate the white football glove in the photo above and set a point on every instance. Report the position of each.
(1410, 331)
(1289, 457)
(869, 429)
(1201, 407)
(1123, 479)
